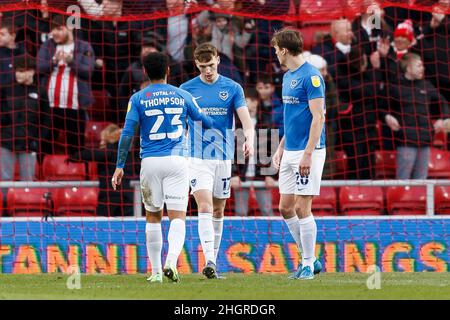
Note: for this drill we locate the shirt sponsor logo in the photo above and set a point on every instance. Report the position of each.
(213, 111)
(315, 81)
(291, 100)
(169, 197)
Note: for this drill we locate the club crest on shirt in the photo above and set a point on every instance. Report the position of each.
(193, 182)
(223, 95)
(293, 83)
(315, 81)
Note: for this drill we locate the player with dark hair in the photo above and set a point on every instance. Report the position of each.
(301, 153)
(161, 110)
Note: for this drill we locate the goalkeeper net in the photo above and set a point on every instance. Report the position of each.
(59, 131)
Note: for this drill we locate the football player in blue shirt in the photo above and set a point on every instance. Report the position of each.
(161, 111)
(212, 151)
(301, 154)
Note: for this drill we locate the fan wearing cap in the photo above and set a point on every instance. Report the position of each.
(24, 121)
(403, 38)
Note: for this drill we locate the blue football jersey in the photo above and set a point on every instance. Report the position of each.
(162, 111)
(219, 100)
(300, 86)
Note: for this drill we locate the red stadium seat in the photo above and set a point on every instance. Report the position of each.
(27, 202)
(92, 170)
(76, 201)
(385, 164)
(361, 200)
(92, 133)
(406, 200)
(54, 167)
(442, 200)
(340, 164)
(102, 105)
(439, 165)
(325, 204)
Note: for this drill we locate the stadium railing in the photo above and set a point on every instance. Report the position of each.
(430, 184)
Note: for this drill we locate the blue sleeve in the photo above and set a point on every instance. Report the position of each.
(128, 131)
(195, 112)
(239, 98)
(315, 87)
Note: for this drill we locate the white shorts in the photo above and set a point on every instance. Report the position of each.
(165, 180)
(290, 181)
(212, 175)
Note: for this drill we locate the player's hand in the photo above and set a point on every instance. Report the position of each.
(270, 182)
(276, 159)
(305, 164)
(235, 182)
(117, 178)
(375, 60)
(446, 124)
(392, 122)
(383, 47)
(439, 126)
(248, 148)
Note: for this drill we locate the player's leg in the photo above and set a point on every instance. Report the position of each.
(153, 200)
(222, 183)
(306, 188)
(308, 233)
(176, 194)
(175, 238)
(154, 243)
(201, 180)
(287, 185)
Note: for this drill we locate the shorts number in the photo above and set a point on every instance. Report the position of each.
(303, 180)
(226, 184)
(160, 114)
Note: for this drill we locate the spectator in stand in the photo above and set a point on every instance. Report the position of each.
(65, 65)
(116, 45)
(335, 50)
(409, 118)
(270, 106)
(110, 202)
(437, 43)
(394, 14)
(24, 120)
(358, 124)
(331, 116)
(258, 54)
(134, 77)
(225, 35)
(367, 31)
(251, 170)
(8, 50)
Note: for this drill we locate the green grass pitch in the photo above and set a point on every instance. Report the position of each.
(237, 286)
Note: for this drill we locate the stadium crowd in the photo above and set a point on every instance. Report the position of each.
(387, 86)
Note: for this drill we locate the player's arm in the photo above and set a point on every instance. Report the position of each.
(126, 138)
(247, 124)
(278, 154)
(316, 106)
(249, 130)
(195, 112)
